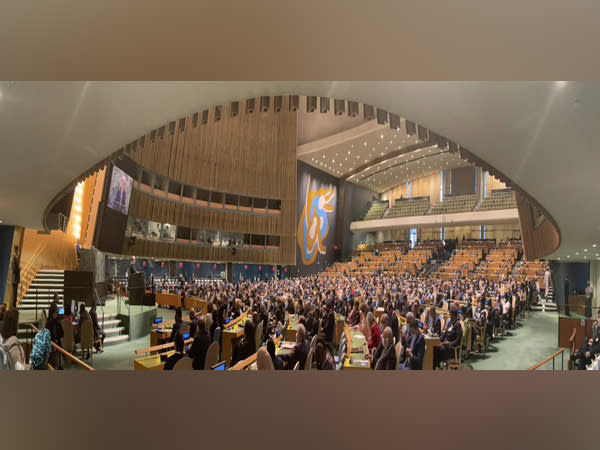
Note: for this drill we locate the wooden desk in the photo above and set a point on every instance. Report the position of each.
(340, 322)
(159, 337)
(150, 362)
(292, 328)
(195, 303)
(577, 304)
(166, 299)
(356, 341)
(233, 331)
(430, 342)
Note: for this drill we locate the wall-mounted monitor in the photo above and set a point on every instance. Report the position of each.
(119, 193)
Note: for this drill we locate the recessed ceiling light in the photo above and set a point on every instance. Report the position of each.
(365, 143)
(585, 249)
(576, 253)
(382, 136)
(594, 245)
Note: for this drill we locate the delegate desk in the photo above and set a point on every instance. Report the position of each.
(292, 327)
(431, 341)
(152, 362)
(233, 330)
(282, 348)
(196, 304)
(340, 322)
(356, 355)
(165, 299)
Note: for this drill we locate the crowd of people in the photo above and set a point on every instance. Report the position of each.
(316, 300)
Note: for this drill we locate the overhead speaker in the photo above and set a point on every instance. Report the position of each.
(142, 141)
(294, 102)
(265, 103)
(324, 106)
(172, 127)
(369, 112)
(250, 106)
(205, 117)
(395, 122)
(152, 135)
(382, 116)
(277, 102)
(218, 111)
(311, 104)
(411, 128)
(161, 132)
(195, 118)
(422, 132)
(353, 109)
(181, 125)
(235, 108)
(339, 107)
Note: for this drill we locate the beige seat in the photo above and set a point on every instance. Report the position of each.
(398, 352)
(313, 342)
(212, 356)
(263, 360)
(184, 363)
(68, 340)
(308, 363)
(87, 338)
(297, 365)
(259, 333)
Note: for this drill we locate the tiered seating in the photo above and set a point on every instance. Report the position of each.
(376, 210)
(461, 262)
(409, 207)
(531, 270)
(434, 246)
(500, 261)
(500, 199)
(455, 204)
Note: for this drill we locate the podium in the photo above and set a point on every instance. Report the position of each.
(136, 287)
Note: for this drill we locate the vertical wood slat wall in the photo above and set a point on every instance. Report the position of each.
(251, 154)
(537, 242)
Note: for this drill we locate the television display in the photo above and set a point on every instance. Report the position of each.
(119, 193)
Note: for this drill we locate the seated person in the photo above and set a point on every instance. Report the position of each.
(323, 356)
(433, 322)
(451, 338)
(12, 346)
(412, 356)
(200, 346)
(193, 322)
(384, 357)
(300, 351)
(172, 360)
(591, 346)
(375, 339)
(247, 345)
(277, 362)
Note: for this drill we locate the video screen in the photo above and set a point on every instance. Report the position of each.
(119, 193)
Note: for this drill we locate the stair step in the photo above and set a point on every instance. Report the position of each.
(51, 271)
(113, 331)
(37, 285)
(116, 339)
(111, 323)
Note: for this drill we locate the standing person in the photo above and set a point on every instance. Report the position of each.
(56, 334)
(546, 283)
(589, 295)
(99, 333)
(10, 342)
(16, 276)
(567, 290)
(40, 350)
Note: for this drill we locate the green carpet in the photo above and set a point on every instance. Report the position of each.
(531, 342)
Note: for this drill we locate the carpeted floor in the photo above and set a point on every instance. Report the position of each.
(520, 349)
(534, 340)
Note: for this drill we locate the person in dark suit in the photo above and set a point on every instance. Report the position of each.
(329, 324)
(120, 198)
(412, 356)
(175, 357)
(193, 322)
(450, 338)
(200, 345)
(247, 346)
(99, 333)
(384, 357)
(177, 324)
(277, 361)
(16, 275)
(300, 352)
(567, 291)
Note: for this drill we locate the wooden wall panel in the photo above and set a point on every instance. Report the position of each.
(537, 242)
(251, 154)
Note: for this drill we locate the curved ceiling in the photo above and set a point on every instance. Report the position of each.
(542, 135)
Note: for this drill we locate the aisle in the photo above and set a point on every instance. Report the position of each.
(532, 342)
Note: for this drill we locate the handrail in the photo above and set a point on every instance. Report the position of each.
(160, 347)
(64, 352)
(549, 358)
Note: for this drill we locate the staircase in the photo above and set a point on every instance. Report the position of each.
(112, 327)
(46, 283)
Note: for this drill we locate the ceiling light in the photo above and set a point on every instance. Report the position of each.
(382, 136)
(585, 249)
(576, 253)
(594, 245)
(365, 143)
